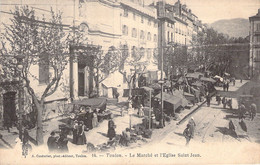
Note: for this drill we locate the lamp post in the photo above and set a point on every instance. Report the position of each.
(161, 82)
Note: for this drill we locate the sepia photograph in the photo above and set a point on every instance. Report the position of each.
(129, 82)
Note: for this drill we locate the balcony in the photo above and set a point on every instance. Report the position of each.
(165, 15)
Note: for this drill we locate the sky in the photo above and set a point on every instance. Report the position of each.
(210, 11)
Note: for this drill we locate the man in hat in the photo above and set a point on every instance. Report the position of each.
(52, 143)
(187, 134)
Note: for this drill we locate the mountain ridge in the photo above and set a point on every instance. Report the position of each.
(236, 27)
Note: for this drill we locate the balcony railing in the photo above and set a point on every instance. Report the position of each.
(169, 16)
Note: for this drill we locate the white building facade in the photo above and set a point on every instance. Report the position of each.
(254, 59)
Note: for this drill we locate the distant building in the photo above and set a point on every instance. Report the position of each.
(122, 24)
(177, 27)
(254, 60)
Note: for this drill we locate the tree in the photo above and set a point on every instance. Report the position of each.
(208, 50)
(217, 52)
(131, 66)
(33, 42)
(106, 64)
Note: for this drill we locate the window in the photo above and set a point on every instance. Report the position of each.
(155, 24)
(149, 36)
(134, 32)
(134, 52)
(134, 17)
(124, 54)
(258, 27)
(125, 30)
(142, 36)
(172, 37)
(149, 53)
(257, 38)
(257, 57)
(142, 52)
(155, 38)
(44, 69)
(125, 13)
(149, 22)
(142, 19)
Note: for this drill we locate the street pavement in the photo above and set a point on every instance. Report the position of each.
(213, 141)
(95, 136)
(211, 133)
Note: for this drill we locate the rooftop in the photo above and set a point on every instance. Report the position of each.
(257, 16)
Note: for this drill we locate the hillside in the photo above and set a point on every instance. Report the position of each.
(238, 27)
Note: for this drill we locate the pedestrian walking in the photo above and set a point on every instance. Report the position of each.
(218, 98)
(253, 110)
(187, 134)
(241, 80)
(234, 81)
(81, 134)
(229, 103)
(224, 85)
(208, 98)
(192, 126)
(52, 143)
(224, 102)
(227, 86)
(75, 132)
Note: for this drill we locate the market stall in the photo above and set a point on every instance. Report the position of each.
(171, 102)
(80, 106)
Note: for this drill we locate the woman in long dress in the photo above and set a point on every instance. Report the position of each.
(81, 134)
(75, 132)
(95, 119)
(111, 133)
(89, 117)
